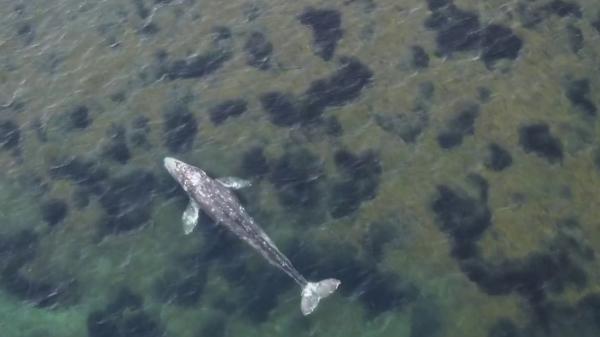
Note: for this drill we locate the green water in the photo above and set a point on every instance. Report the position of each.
(60, 54)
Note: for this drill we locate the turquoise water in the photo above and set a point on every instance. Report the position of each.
(441, 158)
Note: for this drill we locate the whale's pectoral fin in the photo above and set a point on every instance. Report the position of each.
(234, 182)
(190, 217)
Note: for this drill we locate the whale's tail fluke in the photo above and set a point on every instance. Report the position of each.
(313, 292)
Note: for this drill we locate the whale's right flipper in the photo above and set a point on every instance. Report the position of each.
(190, 217)
(313, 292)
(234, 183)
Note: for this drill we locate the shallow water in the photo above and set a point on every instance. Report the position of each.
(442, 159)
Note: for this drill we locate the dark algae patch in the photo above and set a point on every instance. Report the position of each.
(420, 59)
(499, 42)
(282, 108)
(378, 291)
(459, 30)
(326, 27)
(54, 211)
(180, 127)
(296, 178)
(127, 201)
(227, 109)
(497, 158)
(343, 86)
(198, 66)
(563, 8)
(575, 38)
(258, 51)
(116, 149)
(459, 126)
(578, 91)
(359, 183)
(537, 139)
(340, 88)
(124, 316)
(466, 216)
(16, 252)
(10, 135)
(254, 163)
(79, 117)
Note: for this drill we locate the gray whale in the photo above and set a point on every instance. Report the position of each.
(215, 198)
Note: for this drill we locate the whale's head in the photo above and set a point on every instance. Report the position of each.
(188, 176)
(181, 171)
(174, 167)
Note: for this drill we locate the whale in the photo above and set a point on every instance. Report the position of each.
(215, 198)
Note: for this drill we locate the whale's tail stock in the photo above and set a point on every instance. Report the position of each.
(313, 292)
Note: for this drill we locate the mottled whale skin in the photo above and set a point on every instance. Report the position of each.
(215, 198)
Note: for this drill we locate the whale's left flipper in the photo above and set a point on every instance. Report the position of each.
(313, 292)
(190, 216)
(234, 183)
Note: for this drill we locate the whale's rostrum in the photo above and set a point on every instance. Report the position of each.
(214, 197)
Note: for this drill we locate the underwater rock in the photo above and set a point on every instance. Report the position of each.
(459, 126)
(54, 211)
(537, 139)
(127, 201)
(326, 27)
(198, 66)
(420, 59)
(343, 86)
(282, 108)
(10, 135)
(116, 149)
(258, 51)
(79, 117)
(499, 42)
(296, 177)
(497, 158)
(226, 109)
(254, 162)
(575, 38)
(180, 127)
(578, 92)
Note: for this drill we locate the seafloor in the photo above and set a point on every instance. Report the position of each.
(441, 158)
